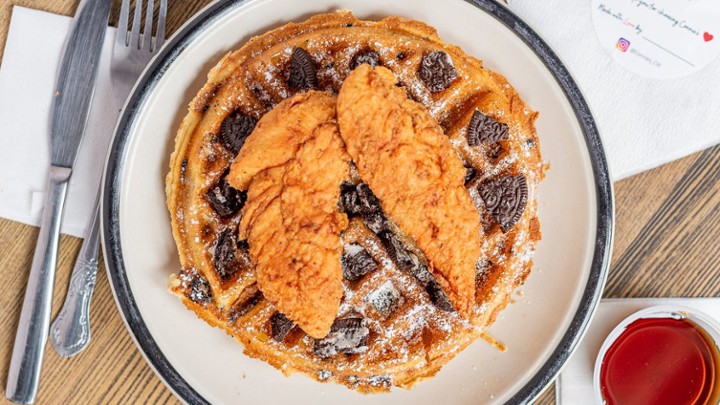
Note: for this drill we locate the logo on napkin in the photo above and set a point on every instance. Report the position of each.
(623, 44)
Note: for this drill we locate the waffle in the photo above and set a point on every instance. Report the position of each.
(396, 324)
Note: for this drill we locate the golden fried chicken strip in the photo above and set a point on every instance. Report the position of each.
(407, 161)
(279, 134)
(291, 218)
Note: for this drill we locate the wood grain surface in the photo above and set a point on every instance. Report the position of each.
(667, 228)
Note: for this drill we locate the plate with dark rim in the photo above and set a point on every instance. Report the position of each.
(541, 329)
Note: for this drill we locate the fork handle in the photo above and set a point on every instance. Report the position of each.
(70, 332)
(32, 330)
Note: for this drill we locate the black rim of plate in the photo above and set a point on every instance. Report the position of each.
(194, 28)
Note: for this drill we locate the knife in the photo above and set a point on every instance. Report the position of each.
(72, 97)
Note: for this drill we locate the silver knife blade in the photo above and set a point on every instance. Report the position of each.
(76, 80)
(75, 85)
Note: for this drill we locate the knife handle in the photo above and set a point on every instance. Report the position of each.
(32, 330)
(70, 332)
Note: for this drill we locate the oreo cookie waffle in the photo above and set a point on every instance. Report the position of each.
(401, 301)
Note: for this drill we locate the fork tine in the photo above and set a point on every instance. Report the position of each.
(135, 34)
(122, 28)
(160, 35)
(147, 31)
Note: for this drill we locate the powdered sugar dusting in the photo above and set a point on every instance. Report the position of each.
(404, 325)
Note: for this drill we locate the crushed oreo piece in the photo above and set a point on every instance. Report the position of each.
(485, 129)
(245, 307)
(197, 287)
(356, 262)
(323, 375)
(200, 291)
(407, 261)
(437, 71)
(224, 199)
(183, 169)
(303, 74)
(438, 296)
(347, 336)
(386, 299)
(372, 58)
(529, 143)
(505, 198)
(359, 200)
(397, 252)
(225, 257)
(280, 325)
(368, 202)
(469, 174)
(375, 221)
(349, 199)
(235, 129)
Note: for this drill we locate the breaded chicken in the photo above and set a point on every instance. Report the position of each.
(291, 218)
(279, 134)
(402, 154)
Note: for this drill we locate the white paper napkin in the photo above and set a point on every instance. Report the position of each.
(575, 383)
(27, 77)
(643, 122)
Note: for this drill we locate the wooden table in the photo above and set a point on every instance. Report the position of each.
(667, 228)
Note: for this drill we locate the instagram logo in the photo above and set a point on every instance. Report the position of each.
(622, 44)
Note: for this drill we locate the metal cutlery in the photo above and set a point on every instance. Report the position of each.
(74, 90)
(70, 333)
(133, 51)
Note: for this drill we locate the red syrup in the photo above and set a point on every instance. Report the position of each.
(660, 361)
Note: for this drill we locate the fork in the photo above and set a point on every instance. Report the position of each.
(70, 332)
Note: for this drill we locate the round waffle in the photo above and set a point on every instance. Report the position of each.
(395, 325)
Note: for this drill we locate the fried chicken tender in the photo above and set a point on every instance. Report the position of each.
(291, 218)
(279, 134)
(406, 160)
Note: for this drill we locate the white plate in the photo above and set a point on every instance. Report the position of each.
(203, 364)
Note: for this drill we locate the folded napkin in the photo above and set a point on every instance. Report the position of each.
(575, 383)
(27, 77)
(643, 122)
